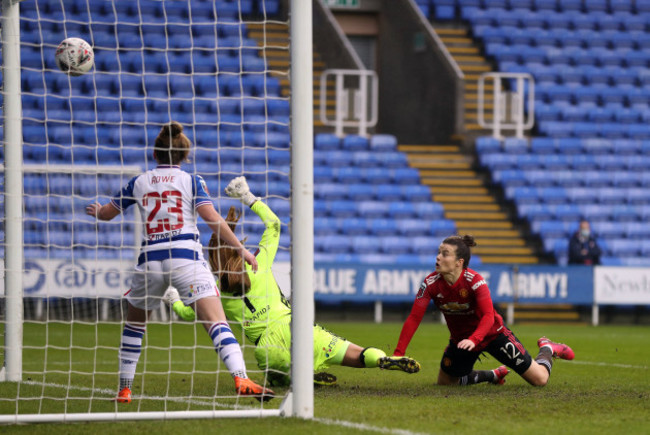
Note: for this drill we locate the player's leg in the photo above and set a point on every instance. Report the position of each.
(540, 371)
(273, 352)
(147, 280)
(507, 348)
(456, 368)
(195, 283)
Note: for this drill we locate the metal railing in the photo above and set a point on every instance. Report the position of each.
(513, 109)
(356, 100)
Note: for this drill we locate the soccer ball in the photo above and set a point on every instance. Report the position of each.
(74, 56)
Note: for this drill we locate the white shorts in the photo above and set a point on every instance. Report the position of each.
(191, 278)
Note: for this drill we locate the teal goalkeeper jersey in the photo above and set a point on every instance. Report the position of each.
(264, 304)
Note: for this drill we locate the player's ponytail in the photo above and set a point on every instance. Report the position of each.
(171, 146)
(463, 245)
(227, 263)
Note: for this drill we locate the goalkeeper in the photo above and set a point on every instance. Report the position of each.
(257, 303)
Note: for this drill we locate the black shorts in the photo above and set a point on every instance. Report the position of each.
(505, 347)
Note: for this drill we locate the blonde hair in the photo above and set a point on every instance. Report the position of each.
(227, 263)
(171, 146)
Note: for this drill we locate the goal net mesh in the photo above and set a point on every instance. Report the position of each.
(220, 68)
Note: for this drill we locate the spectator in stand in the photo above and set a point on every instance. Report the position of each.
(583, 248)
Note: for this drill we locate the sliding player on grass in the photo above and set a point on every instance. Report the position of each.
(463, 297)
(171, 254)
(258, 304)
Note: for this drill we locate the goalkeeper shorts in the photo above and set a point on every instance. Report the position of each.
(273, 350)
(191, 278)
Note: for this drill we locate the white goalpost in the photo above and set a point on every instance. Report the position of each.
(211, 65)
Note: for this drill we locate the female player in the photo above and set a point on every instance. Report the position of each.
(171, 254)
(464, 299)
(256, 302)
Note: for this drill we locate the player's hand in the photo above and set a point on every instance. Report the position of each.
(93, 209)
(171, 296)
(250, 259)
(238, 188)
(466, 344)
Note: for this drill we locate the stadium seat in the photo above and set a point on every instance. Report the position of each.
(372, 209)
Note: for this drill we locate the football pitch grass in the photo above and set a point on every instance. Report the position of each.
(606, 389)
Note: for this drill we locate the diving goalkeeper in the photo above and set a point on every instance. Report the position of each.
(255, 301)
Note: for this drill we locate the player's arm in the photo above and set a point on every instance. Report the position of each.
(119, 202)
(486, 308)
(413, 320)
(219, 226)
(271, 237)
(104, 212)
(238, 188)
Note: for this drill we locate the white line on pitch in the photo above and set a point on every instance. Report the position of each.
(604, 364)
(362, 426)
(111, 393)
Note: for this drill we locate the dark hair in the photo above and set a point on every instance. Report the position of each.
(171, 146)
(227, 263)
(462, 244)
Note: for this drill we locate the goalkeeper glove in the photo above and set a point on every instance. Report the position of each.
(172, 298)
(238, 188)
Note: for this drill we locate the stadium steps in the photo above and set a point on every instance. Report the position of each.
(274, 39)
(467, 200)
(467, 54)
(544, 313)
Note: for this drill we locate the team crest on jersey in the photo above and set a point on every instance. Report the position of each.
(203, 185)
(463, 293)
(423, 287)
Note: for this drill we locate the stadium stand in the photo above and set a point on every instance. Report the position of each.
(590, 62)
(368, 200)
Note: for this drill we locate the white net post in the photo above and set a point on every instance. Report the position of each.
(302, 270)
(196, 62)
(13, 261)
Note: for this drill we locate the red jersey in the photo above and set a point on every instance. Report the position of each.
(466, 305)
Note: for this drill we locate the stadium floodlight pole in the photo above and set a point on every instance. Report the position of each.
(13, 151)
(302, 208)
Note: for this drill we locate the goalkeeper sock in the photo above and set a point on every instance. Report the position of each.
(228, 349)
(476, 377)
(370, 357)
(130, 349)
(545, 358)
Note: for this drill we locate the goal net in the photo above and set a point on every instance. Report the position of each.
(218, 67)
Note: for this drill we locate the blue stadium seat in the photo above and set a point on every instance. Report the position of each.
(358, 191)
(383, 227)
(425, 246)
(383, 142)
(567, 212)
(582, 195)
(372, 209)
(365, 244)
(410, 176)
(394, 245)
(389, 192)
(353, 226)
(333, 244)
(401, 210)
(341, 209)
(354, 142)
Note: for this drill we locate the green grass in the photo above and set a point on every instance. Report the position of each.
(605, 390)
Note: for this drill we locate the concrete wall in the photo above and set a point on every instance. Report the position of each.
(419, 91)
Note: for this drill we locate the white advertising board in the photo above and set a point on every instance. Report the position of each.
(622, 285)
